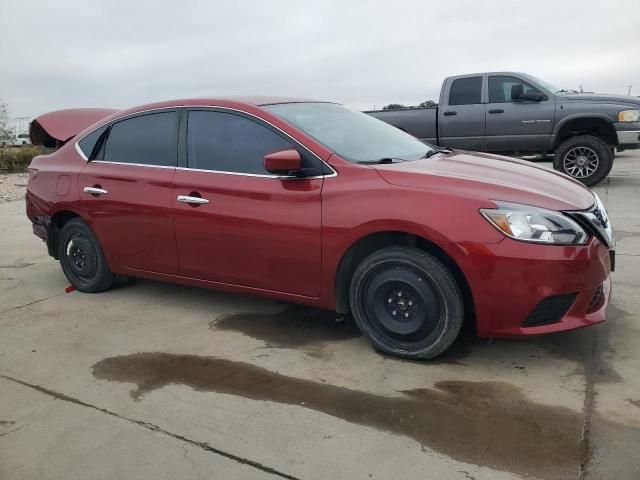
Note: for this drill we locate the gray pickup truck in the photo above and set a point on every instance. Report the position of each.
(517, 114)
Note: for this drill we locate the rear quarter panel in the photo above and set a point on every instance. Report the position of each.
(52, 185)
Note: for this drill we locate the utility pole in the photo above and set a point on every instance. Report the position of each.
(629, 90)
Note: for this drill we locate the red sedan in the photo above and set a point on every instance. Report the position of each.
(314, 203)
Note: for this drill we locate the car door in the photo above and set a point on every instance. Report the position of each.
(516, 124)
(245, 226)
(461, 118)
(126, 190)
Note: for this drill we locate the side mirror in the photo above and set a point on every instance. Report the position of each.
(533, 96)
(283, 162)
(516, 91)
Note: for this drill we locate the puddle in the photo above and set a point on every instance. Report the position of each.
(486, 423)
(293, 327)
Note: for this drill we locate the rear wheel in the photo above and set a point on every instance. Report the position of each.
(81, 258)
(407, 302)
(586, 158)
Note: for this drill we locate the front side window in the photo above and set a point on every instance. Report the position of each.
(150, 139)
(353, 135)
(500, 88)
(227, 142)
(466, 91)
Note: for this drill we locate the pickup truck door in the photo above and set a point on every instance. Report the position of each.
(517, 125)
(461, 117)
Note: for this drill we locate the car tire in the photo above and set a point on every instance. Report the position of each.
(424, 295)
(585, 158)
(82, 259)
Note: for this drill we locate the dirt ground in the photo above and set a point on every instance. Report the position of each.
(12, 186)
(156, 381)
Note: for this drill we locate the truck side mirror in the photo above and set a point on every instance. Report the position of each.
(516, 91)
(533, 96)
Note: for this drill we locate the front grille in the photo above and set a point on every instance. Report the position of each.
(597, 300)
(600, 215)
(550, 310)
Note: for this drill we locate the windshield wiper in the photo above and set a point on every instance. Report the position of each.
(432, 152)
(564, 90)
(382, 160)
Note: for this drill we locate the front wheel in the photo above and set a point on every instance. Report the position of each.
(81, 258)
(407, 302)
(586, 158)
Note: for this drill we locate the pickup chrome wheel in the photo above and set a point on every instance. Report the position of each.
(406, 302)
(581, 162)
(586, 158)
(81, 258)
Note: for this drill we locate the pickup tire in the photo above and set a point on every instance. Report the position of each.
(407, 302)
(586, 158)
(81, 258)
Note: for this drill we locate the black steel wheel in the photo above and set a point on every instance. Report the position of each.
(81, 258)
(407, 302)
(586, 158)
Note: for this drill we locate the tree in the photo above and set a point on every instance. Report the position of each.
(5, 130)
(428, 103)
(393, 106)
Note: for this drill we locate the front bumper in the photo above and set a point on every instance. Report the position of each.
(628, 134)
(510, 279)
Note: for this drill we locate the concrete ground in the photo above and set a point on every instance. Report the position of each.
(159, 381)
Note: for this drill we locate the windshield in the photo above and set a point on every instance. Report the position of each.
(353, 135)
(548, 86)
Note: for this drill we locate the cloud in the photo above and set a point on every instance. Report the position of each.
(362, 53)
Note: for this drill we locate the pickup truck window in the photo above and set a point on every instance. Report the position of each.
(500, 88)
(466, 91)
(353, 135)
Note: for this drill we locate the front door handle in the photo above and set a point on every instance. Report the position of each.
(192, 200)
(95, 191)
(450, 112)
(496, 110)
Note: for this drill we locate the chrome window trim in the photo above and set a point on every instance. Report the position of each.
(211, 107)
(79, 150)
(173, 167)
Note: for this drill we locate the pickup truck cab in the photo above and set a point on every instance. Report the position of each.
(515, 113)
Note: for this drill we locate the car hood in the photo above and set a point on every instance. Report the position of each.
(489, 178)
(603, 97)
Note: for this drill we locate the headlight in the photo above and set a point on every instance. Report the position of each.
(533, 224)
(629, 116)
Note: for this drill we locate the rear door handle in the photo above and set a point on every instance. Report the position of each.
(496, 110)
(96, 191)
(192, 200)
(449, 113)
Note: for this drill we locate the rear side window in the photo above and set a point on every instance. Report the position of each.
(230, 143)
(150, 139)
(88, 143)
(466, 91)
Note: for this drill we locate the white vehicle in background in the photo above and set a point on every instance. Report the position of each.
(13, 140)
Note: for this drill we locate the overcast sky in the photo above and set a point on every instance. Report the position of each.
(80, 53)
